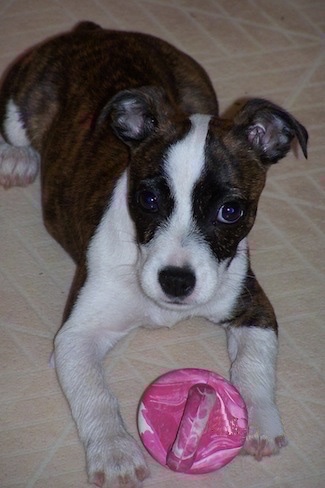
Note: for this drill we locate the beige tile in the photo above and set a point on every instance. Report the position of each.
(313, 92)
(35, 347)
(227, 35)
(286, 17)
(209, 6)
(271, 40)
(19, 32)
(315, 14)
(301, 428)
(301, 379)
(16, 386)
(32, 410)
(67, 461)
(275, 259)
(31, 438)
(16, 7)
(242, 11)
(245, 471)
(11, 356)
(18, 469)
(311, 482)
(192, 37)
(16, 310)
(317, 216)
(286, 464)
(131, 16)
(146, 339)
(286, 284)
(14, 24)
(319, 74)
(262, 238)
(302, 302)
(89, 10)
(63, 480)
(260, 84)
(211, 354)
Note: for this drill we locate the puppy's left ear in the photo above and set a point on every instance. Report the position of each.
(270, 130)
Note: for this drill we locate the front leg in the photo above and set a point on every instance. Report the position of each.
(253, 353)
(253, 348)
(114, 459)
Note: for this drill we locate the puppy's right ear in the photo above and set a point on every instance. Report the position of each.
(133, 114)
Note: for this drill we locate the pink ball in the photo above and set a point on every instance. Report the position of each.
(192, 421)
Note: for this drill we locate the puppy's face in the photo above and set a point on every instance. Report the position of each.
(193, 193)
(192, 204)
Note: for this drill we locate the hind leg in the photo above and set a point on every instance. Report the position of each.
(19, 161)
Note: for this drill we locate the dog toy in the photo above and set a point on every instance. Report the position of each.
(192, 421)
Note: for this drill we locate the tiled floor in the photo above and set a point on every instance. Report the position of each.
(273, 49)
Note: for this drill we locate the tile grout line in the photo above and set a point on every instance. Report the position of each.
(290, 203)
(169, 34)
(267, 52)
(220, 46)
(23, 350)
(19, 289)
(274, 27)
(235, 22)
(294, 174)
(36, 475)
(298, 253)
(291, 200)
(66, 10)
(317, 184)
(299, 350)
(25, 330)
(300, 12)
(9, 4)
(304, 80)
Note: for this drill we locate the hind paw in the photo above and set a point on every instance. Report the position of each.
(18, 165)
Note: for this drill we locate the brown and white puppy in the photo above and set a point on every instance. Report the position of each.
(153, 195)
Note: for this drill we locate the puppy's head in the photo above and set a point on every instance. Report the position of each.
(194, 185)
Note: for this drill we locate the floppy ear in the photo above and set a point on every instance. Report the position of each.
(133, 114)
(269, 130)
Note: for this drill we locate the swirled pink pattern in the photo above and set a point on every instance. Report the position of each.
(192, 421)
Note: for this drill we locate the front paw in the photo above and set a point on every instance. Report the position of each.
(118, 463)
(260, 446)
(265, 436)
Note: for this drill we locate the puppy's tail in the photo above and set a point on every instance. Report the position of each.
(19, 161)
(27, 107)
(86, 25)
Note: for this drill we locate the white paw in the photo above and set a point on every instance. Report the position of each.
(265, 436)
(260, 446)
(116, 464)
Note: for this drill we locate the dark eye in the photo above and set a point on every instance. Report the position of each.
(148, 201)
(230, 213)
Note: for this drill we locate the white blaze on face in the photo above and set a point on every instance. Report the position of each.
(178, 242)
(183, 169)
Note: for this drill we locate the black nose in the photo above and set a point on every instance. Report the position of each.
(177, 282)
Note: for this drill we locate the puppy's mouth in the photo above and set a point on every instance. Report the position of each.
(177, 302)
(174, 303)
